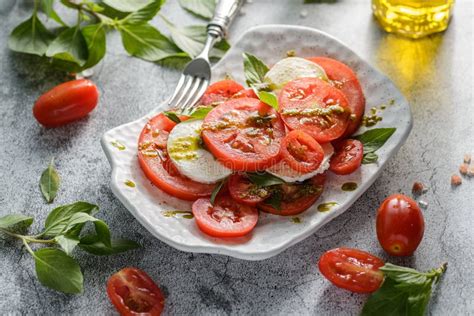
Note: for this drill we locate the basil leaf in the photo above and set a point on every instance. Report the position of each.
(201, 112)
(49, 182)
(201, 8)
(48, 9)
(144, 14)
(216, 190)
(254, 69)
(30, 37)
(268, 98)
(274, 200)
(67, 243)
(58, 271)
(370, 158)
(94, 35)
(126, 5)
(76, 219)
(59, 217)
(103, 233)
(264, 179)
(93, 245)
(178, 61)
(375, 138)
(172, 116)
(146, 42)
(70, 46)
(15, 222)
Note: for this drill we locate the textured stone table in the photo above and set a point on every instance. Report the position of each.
(436, 75)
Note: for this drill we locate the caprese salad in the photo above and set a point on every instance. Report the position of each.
(263, 148)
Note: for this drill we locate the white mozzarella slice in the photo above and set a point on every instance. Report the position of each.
(292, 68)
(284, 172)
(185, 150)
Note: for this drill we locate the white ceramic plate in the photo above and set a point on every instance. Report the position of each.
(273, 234)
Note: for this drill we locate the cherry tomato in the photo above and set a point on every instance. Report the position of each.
(226, 218)
(244, 134)
(344, 78)
(244, 191)
(220, 91)
(348, 156)
(352, 269)
(66, 102)
(158, 167)
(246, 93)
(295, 197)
(301, 152)
(400, 225)
(133, 292)
(314, 106)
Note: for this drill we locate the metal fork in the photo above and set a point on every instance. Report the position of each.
(197, 74)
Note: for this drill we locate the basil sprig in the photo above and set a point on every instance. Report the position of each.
(372, 140)
(405, 291)
(49, 182)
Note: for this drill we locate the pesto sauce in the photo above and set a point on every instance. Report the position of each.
(118, 145)
(310, 112)
(184, 148)
(130, 183)
(296, 220)
(349, 186)
(174, 214)
(325, 207)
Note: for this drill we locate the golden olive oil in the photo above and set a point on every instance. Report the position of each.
(413, 18)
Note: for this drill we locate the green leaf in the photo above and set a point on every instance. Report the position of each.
(48, 9)
(274, 200)
(146, 42)
(201, 8)
(70, 46)
(30, 37)
(76, 219)
(216, 190)
(49, 182)
(94, 35)
(201, 112)
(178, 61)
(59, 217)
(264, 179)
(103, 233)
(93, 245)
(254, 69)
(268, 98)
(375, 138)
(15, 222)
(172, 116)
(126, 5)
(144, 14)
(370, 158)
(58, 271)
(67, 243)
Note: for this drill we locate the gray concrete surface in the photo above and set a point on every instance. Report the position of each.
(436, 75)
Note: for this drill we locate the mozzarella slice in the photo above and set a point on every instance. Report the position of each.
(284, 172)
(190, 158)
(292, 68)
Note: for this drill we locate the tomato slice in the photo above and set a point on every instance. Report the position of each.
(352, 269)
(295, 197)
(301, 151)
(316, 107)
(244, 134)
(344, 78)
(244, 191)
(220, 91)
(133, 292)
(157, 165)
(226, 218)
(246, 93)
(348, 156)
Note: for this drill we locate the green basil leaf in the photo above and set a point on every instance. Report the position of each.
(375, 138)
(58, 271)
(30, 37)
(264, 179)
(216, 190)
(15, 222)
(76, 219)
(93, 245)
(67, 243)
(387, 300)
(268, 98)
(126, 5)
(254, 69)
(49, 182)
(201, 112)
(94, 34)
(48, 9)
(103, 233)
(201, 8)
(146, 42)
(70, 46)
(178, 61)
(274, 200)
(172, 116)
(369, 158)
(144, 14)
(59, 217)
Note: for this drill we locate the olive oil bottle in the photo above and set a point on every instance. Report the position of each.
(413, 18)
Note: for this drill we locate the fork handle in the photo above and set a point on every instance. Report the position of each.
(223, 16)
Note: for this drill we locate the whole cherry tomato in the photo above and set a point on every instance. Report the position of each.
(66, 102)
(400, 225)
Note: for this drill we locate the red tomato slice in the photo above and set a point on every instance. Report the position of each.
(220, 91)
(316, 107)
(348, 156)
(66, 102)
(352, 269)
(344, 78)
(226, 218)
(244, 191)
(157, 165)
(244, 134)
(133, 292)
(301, 151)
(246, 93)
(296, 197)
